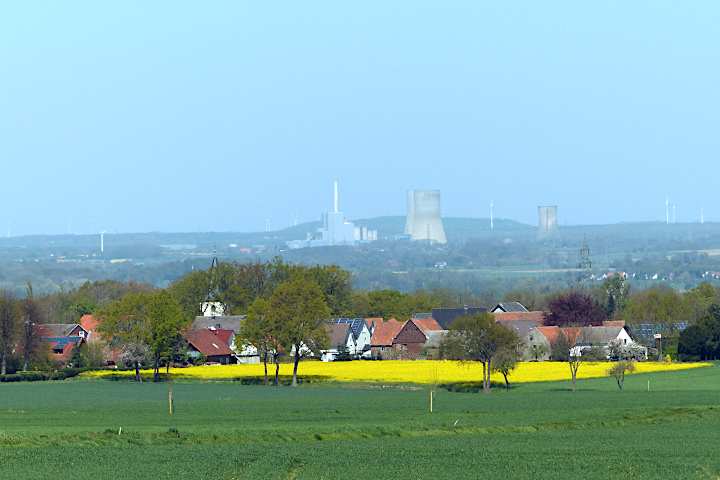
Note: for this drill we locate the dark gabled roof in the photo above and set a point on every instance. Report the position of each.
(206, 342)
(520, 327)
(355, 323)
(598, 335)
(57, 329)
(338, 334)
(434, 337)
(444, 316)
(509, 307)
(422, 315)
(221, 322)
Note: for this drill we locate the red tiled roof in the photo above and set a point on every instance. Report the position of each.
(385, 332)
(222, 335)
(427, 324)
(206, 342)
(613, 323)
(89, 322)
(552, 333)
(513, 316)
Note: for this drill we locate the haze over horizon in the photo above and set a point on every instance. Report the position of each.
(185, 117)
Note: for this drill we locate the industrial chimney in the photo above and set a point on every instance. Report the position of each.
(426, 223)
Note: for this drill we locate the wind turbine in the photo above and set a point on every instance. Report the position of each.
(491, 216)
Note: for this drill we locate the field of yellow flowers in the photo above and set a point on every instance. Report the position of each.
(419, 372)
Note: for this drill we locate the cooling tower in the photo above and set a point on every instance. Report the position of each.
(427, 224)
(411, 212)
(547, 223)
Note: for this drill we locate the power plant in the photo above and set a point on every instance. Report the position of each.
(423, 216)
(547, 223)
(335, 231)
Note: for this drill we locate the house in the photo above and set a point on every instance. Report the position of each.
(547, 336)
(90, 323)
(361, 331)
(243, 353)
(371, 323)
(210, 344)
(383, 336)
(406, 336)
(444, 316)
(603, 336)
(62, 337)
(410, 338)
(340, 336)
(521, 328)
(535, 316)
(228, 322)
(509, 307)
(432, 345)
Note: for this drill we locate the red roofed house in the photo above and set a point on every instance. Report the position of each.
(211, 344)
(62, 338)
(412, 335)
(383, 336)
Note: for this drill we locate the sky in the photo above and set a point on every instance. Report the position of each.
(217, 116)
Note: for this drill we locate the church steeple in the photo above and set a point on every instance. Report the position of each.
(214, 260)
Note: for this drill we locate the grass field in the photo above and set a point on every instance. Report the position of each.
(70, 429)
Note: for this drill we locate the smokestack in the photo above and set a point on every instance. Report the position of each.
(336, 198)
(427, 224)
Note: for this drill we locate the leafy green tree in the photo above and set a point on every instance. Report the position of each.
(298, 308)
(95, 354)
(505, 363)
(77, 359)
(537, 351)
(151, 320)
(619, 369)
(477, 338)
(260, 330)
(658, 305)
(617, 291)
(165, 320)
(9, 326)
(32, 315)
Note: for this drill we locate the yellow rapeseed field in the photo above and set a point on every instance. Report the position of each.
(421, 372)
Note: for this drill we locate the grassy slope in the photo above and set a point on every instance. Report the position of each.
(229, 430)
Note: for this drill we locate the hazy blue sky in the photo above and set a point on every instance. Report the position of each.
(189, 116)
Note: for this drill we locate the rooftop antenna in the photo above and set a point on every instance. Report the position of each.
(491, 217)
(667, 214)
(102, 241)
(336, 197)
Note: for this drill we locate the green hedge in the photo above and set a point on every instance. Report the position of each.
(61, 374)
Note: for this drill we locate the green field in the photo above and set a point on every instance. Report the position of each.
(70, 429)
